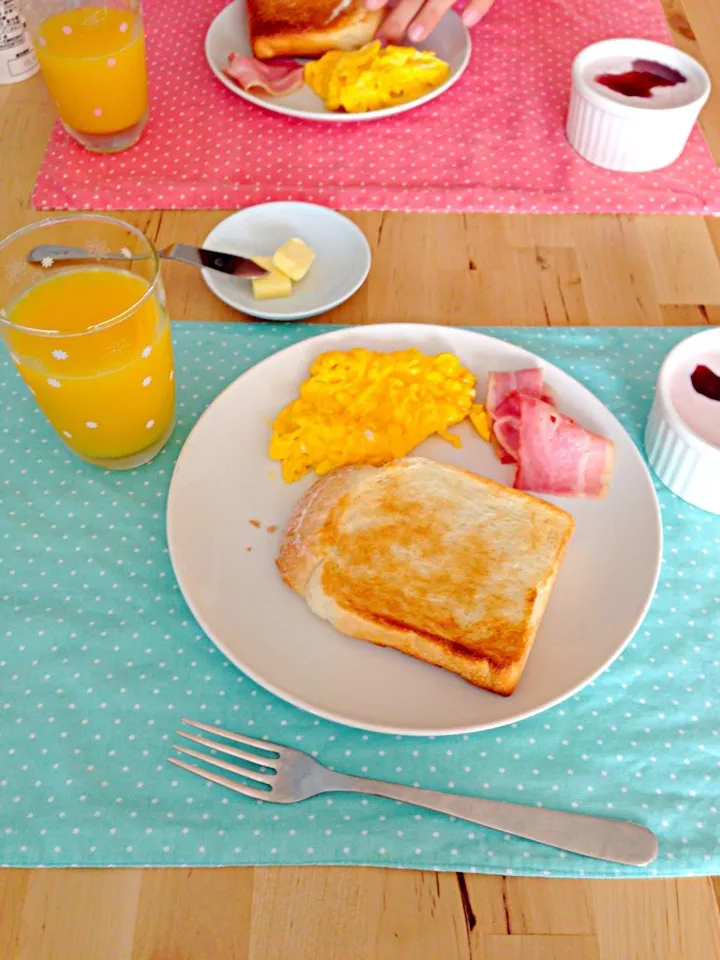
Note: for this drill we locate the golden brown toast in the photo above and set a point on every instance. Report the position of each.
(309, 28)
(432, 560)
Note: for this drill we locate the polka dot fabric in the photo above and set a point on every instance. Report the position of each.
(99, 658)
(495, 142)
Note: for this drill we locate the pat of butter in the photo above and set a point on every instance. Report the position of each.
(274, 285)
(264, 262)
(294, 259)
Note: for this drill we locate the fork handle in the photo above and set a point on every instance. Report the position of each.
(619, 841)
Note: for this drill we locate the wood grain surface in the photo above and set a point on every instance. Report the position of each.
(460, 270)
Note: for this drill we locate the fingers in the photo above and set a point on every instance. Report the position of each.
(475, 11)
(399, 19)
(427, 19)
(418, 18)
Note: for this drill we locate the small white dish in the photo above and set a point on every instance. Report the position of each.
(228, 507)
(687, 462)
(228, 33)
(342, 258)
(633, 134)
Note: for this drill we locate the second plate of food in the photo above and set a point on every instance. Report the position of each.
(228, 33)
(229, 505)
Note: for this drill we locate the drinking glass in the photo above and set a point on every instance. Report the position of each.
(92, 56)
(92, 339)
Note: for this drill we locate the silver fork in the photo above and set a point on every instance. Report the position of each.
(286, 775)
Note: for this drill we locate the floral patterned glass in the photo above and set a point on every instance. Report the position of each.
(92, 341)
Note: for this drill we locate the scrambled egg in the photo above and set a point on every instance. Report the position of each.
(480, 419)
(373, 77)
(367, 407)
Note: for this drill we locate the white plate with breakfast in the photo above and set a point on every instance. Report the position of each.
(473, 512)
(316, 259)
(331, 69)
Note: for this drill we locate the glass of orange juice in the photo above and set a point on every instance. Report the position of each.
(91, 337)
(92, 56)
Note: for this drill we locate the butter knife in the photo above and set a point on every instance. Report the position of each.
(48, 254)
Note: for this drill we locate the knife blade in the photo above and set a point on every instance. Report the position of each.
(228, 263)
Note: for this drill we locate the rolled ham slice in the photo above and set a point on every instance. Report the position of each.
(510, 407)
(501, 385)
(507, 434)
(504, 390)
(279, 77)
(559, 457)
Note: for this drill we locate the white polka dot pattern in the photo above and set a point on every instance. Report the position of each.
(99, 658)
(495, 142)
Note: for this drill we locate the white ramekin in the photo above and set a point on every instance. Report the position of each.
(627, 136)
(683, 461)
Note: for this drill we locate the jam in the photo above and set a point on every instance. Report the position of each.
(706, 382)
(644, 77)
(695, 393)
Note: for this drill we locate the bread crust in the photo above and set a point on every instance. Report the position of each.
(348, 578)
(293, 28)
(305, 540)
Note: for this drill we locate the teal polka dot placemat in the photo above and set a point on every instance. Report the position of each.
(99, 657)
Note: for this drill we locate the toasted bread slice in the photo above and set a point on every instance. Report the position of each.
(432, 560)
(309, 28)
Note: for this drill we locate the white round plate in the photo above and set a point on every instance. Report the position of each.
(342, 258)
(224, 482)
(228, 33)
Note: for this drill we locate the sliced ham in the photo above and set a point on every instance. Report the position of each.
(504, 389)
(500, 385)
(553, 454)
(510, 407)
(503, 455)
(559, 457)
(506, 425)
(276, 77)
(507, 434)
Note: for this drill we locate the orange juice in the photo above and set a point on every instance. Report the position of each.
(106, 387)
(93, 62)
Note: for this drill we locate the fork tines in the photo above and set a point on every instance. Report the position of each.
(261, 771)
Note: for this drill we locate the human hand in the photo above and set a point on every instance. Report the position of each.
(416, 19)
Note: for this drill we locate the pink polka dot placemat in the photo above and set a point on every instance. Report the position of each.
(494, 143)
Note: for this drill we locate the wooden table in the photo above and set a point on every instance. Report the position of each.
(436, 269)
